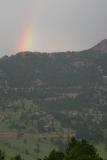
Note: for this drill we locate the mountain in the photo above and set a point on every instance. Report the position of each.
(60, 92)
(101, 47)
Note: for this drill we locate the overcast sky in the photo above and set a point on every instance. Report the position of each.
(57, 25)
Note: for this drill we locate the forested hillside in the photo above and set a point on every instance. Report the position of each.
(59, 92)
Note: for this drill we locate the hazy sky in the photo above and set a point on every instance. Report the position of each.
(51, 25)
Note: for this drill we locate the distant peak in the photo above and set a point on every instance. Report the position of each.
(101, 47)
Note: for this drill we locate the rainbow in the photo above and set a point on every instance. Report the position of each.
(27, 38)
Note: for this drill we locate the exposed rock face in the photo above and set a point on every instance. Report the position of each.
(101, 47)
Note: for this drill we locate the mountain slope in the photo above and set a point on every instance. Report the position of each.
(55, 92)
(101, 47)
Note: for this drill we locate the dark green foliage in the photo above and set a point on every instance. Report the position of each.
(55, 155)
(17, 157)
(81, 150)
(76, 150)
(2, 155)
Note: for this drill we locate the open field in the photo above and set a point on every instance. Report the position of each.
(32, 146)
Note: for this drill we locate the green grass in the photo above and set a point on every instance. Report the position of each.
(27, 147)
(102, 150)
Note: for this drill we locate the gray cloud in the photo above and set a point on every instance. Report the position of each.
(58, 25)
